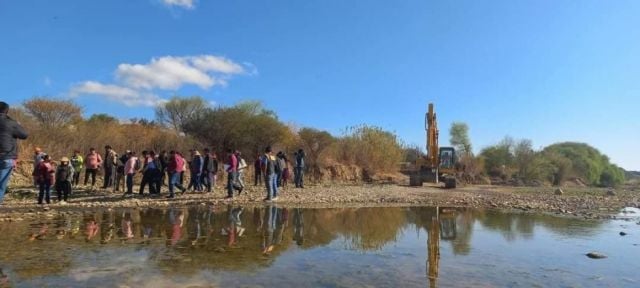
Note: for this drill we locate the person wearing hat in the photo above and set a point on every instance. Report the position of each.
(45, 177)
(10, 131)
(38, 157)
(64, 178)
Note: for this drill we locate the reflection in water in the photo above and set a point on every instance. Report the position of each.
(182, 242)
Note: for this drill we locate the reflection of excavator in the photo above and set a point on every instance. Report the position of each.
(442, 225)
(440, 162)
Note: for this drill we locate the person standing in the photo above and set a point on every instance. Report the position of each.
(45, 176)
(175, 168)
(10, 131)
(280, 165)
(148, 173)
(268, 167)
(38, 157)
(210, 169)
(110, 162)
(64, 178)
(196, 168)
(257, 172)
(77, 162)
(285, 173)
(299, 169)
(130, 169)
(164, 161)
(120, 174)
(242, 166)
(232, 174)
(157, 174)
(93, 161)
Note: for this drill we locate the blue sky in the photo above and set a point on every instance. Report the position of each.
(545, 70)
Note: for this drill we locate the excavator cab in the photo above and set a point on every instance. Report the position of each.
(447, 158)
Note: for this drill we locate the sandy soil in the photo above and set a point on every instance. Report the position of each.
(581, 202)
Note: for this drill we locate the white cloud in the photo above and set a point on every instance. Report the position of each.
(211, 63)
(171, 73)
(136, 84)
(124, 95)
(187, 4)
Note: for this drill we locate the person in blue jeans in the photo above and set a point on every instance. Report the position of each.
(10, 131)
(270, 175)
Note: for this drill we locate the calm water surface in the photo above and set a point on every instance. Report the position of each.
(273, 246)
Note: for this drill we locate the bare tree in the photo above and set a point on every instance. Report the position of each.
(52, 112)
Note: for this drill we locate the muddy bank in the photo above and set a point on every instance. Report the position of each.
(581, 202)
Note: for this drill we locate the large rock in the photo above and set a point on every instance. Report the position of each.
(611, 192)
(558, 191)
(596, 255)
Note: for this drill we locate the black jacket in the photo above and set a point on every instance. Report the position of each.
(10, 130)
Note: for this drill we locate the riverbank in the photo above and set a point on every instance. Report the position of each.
(580, 201)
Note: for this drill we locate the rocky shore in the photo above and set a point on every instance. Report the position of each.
(580, 202)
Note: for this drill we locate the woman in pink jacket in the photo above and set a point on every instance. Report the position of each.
(92, 162)
(130, 169)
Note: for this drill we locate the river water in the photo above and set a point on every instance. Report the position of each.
(274, 246)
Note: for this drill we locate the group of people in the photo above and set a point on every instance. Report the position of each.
(119, 171)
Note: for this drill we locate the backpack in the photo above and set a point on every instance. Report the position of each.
(242, 164)
(278, 165)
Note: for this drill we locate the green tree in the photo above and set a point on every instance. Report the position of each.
(459, 137)
(587, 163)
(102, 118)
(499, 159)
(179, 110)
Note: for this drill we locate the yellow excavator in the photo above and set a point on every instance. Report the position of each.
(439, 165)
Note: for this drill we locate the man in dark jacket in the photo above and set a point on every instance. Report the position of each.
(210, 168)
(10, 130)
(299, 169)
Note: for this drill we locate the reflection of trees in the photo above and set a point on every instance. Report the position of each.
(513, 225)
(365, 228)
(201, 243)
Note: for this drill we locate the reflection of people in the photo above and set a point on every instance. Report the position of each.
(42, 233)
(4, 279)
(235, 229)
(108, 233)
(298, 226)
(126, 226)
(91, 229)
(268, 241)
(176, 219)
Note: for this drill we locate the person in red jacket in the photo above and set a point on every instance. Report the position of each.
(45, 175)
(176, 167)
